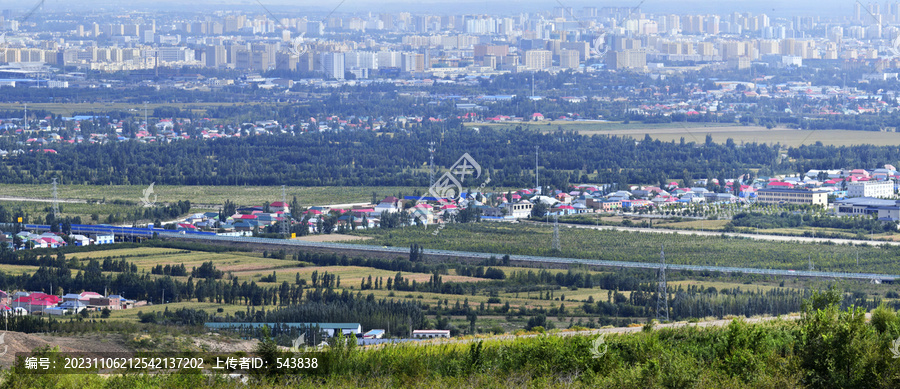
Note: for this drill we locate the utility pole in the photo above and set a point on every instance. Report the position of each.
(662, 294)
(55, 201)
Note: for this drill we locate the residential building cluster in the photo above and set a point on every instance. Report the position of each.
(25, 239)
(38, 303)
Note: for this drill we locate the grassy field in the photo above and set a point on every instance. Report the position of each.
(70, 108)
(241, 195)
(553, 125)
(251, 267)
(83, 210)
(696, 132)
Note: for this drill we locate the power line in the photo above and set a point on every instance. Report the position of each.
(55, 201)
(556, 232)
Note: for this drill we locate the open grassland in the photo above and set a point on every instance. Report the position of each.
(86, 211)
(720, 133)
(210, 307)
(216, 195)
(783, 136)
(251, 267)
(553, 125)
(503, 238)
(68, 109)
(705, 225)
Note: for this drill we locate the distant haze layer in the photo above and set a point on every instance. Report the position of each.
(824, 8)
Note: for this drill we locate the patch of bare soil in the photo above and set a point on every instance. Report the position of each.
(17, 342)
(219, 344)
(99, 344)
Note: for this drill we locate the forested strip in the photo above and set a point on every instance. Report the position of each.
(371, 159)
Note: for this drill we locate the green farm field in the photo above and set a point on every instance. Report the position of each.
(720, 133)
(83, 210)
(71, 108)
(251, 267)
(216, 195)
(503, 238)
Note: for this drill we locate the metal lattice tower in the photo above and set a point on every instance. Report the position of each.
(662, 294)
(285, 226)
(55, 200)
(810, 263)
(555, 232)
(431, 164)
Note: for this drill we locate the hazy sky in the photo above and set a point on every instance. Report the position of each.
(825, 8)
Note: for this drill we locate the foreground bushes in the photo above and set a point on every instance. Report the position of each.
(827, 348)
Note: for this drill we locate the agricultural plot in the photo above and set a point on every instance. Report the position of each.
(17, 269)
(590, 127)
(85, 211)
(211, 308)
(212, 195)
(68, 109)
(501, 238)
(120, 253)
(720, 132)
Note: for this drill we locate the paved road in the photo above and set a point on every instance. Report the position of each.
(36, 200)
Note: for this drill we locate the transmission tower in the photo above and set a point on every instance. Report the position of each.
(285, 224)
(556, 233)
(55, 200)
(810, 263)
(662, 295)
(431, 164)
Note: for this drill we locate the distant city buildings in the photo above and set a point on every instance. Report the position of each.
(879, 189)
(561, 38)
(792, 196)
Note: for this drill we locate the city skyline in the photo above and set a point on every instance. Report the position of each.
(827, 8)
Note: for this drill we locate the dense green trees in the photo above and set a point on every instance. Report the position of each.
(366, 158)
